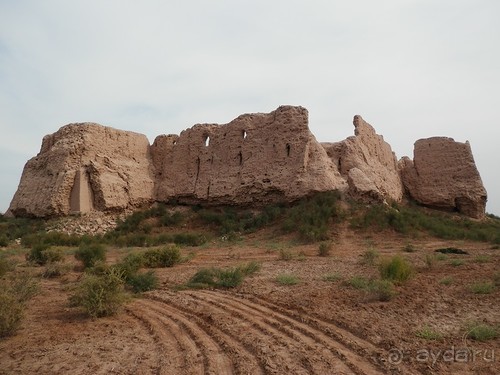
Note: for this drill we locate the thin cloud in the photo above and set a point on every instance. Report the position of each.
(413, 69)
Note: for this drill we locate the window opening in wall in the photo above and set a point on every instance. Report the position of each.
(207, 141)
(288, 149)
(240, 155)
(244, 134)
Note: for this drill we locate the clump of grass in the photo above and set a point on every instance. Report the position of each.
(370, 256)
(381, 290)
(332, 277)
(430, 260)
(358, 282)
(448, 280)
(456, 262)
(163, 257)
(428, 333)
(395, 269)
(55, 269)
(482, 259)
(224, 278)
(485, 287)
(100, 294)
(481, 331)
(285, 254)
(324, 249)
(287, 279)
(90, 253)
(441, 257)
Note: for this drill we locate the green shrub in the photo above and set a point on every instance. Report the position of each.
(428, 333)
(324, 249)
(369, 257)
(486, 287)
(23, 287)
(396, 269)
(216, 278)
(36, 254)
(221, 278)
(287, 279)
(90, 253)
(15, 291)
(4, 241)
(481, 331)
(11, 313)
(5, 265)
(130, 265)
(142, 282)
(164, 257)
(100, 295)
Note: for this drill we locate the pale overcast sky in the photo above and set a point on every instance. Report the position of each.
(412, 68)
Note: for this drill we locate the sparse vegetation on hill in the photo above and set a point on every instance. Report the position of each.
(413, 219)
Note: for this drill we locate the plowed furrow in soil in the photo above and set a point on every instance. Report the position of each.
(276, 355)
(215, 359)
(352, 342)
(243, 360)
(318, 350)
(281, 347)
(171, 356)
(155, 364)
